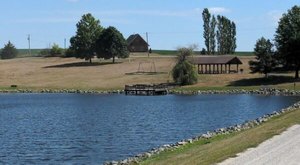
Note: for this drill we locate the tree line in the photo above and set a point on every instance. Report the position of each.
(284, 52)
(219, 34)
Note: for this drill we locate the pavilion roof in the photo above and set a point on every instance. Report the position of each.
(216, 59)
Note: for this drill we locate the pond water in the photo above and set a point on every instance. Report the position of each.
(92, 129)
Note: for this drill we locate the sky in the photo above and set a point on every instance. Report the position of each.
(170, 23)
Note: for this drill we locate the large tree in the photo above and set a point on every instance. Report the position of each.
(83, 43)
(226, 35)
(111, 44)
(206, 25)
(265, 62)
(212, 36)
(288, 38)
(9, 51)
(233, 38)
(184, 72)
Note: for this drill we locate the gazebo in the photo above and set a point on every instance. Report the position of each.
(221, 64)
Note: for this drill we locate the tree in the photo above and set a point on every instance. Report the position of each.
(184, 72)
(111, 44)
(9, 51)
(83, 43)
(212, 36)
(265, 62)
(203, 51)
(233, 38)
(56, 50)
(206, 19)
(287, 38)
(226, 35)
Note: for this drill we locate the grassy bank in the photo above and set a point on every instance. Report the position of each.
(219, 148)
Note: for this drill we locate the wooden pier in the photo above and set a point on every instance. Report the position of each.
(146, 90)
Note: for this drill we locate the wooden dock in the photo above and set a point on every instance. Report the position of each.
(146, 90)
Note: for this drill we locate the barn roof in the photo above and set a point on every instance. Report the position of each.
(220, 59)
(132, 37)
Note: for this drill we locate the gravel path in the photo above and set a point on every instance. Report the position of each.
(281, 149)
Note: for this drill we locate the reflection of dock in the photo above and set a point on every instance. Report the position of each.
(148, 90)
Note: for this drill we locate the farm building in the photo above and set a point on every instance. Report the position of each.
(137, 44)
(216, 64)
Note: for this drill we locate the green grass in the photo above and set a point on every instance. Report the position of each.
(165, 52)
(221, 147)
(243, 53)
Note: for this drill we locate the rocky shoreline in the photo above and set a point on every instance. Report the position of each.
(262, 91)
(227, 130)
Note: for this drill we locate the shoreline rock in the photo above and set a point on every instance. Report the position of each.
(261, 91)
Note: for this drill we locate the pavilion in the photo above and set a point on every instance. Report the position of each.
(219, 64)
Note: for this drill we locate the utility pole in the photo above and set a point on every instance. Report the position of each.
(29, 48)
(65, 44)
(147, 43)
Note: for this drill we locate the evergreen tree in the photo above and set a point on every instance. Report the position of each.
(111, 44)
(206, 25)
(288, 39)
(9, 51)
(83, 43)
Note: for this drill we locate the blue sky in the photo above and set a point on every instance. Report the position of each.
(170, 23)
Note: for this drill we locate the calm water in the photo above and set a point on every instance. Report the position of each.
(91, 129)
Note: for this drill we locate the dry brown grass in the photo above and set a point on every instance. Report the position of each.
(76, 73)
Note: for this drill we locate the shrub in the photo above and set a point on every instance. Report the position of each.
(184, 73)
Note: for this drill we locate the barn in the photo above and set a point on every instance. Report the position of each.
(137, 44)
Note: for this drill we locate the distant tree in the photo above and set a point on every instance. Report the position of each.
(233, 38)
(111, 44)
(212, 36)
(45, 52)
(206, 25)
(287, 39)
(83, 43)
(264, 53)
(56, 50)
(9, 51)
(226, 35)
(184, 72)
(203, 51)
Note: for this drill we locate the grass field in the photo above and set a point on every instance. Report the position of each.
(221, 147)
(57, 73)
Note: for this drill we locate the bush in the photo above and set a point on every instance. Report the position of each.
(44, 52)
(184, 73)
(56, 51)
(9, 51)
(70, 53)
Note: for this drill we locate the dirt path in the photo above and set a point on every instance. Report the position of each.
(281, 149)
